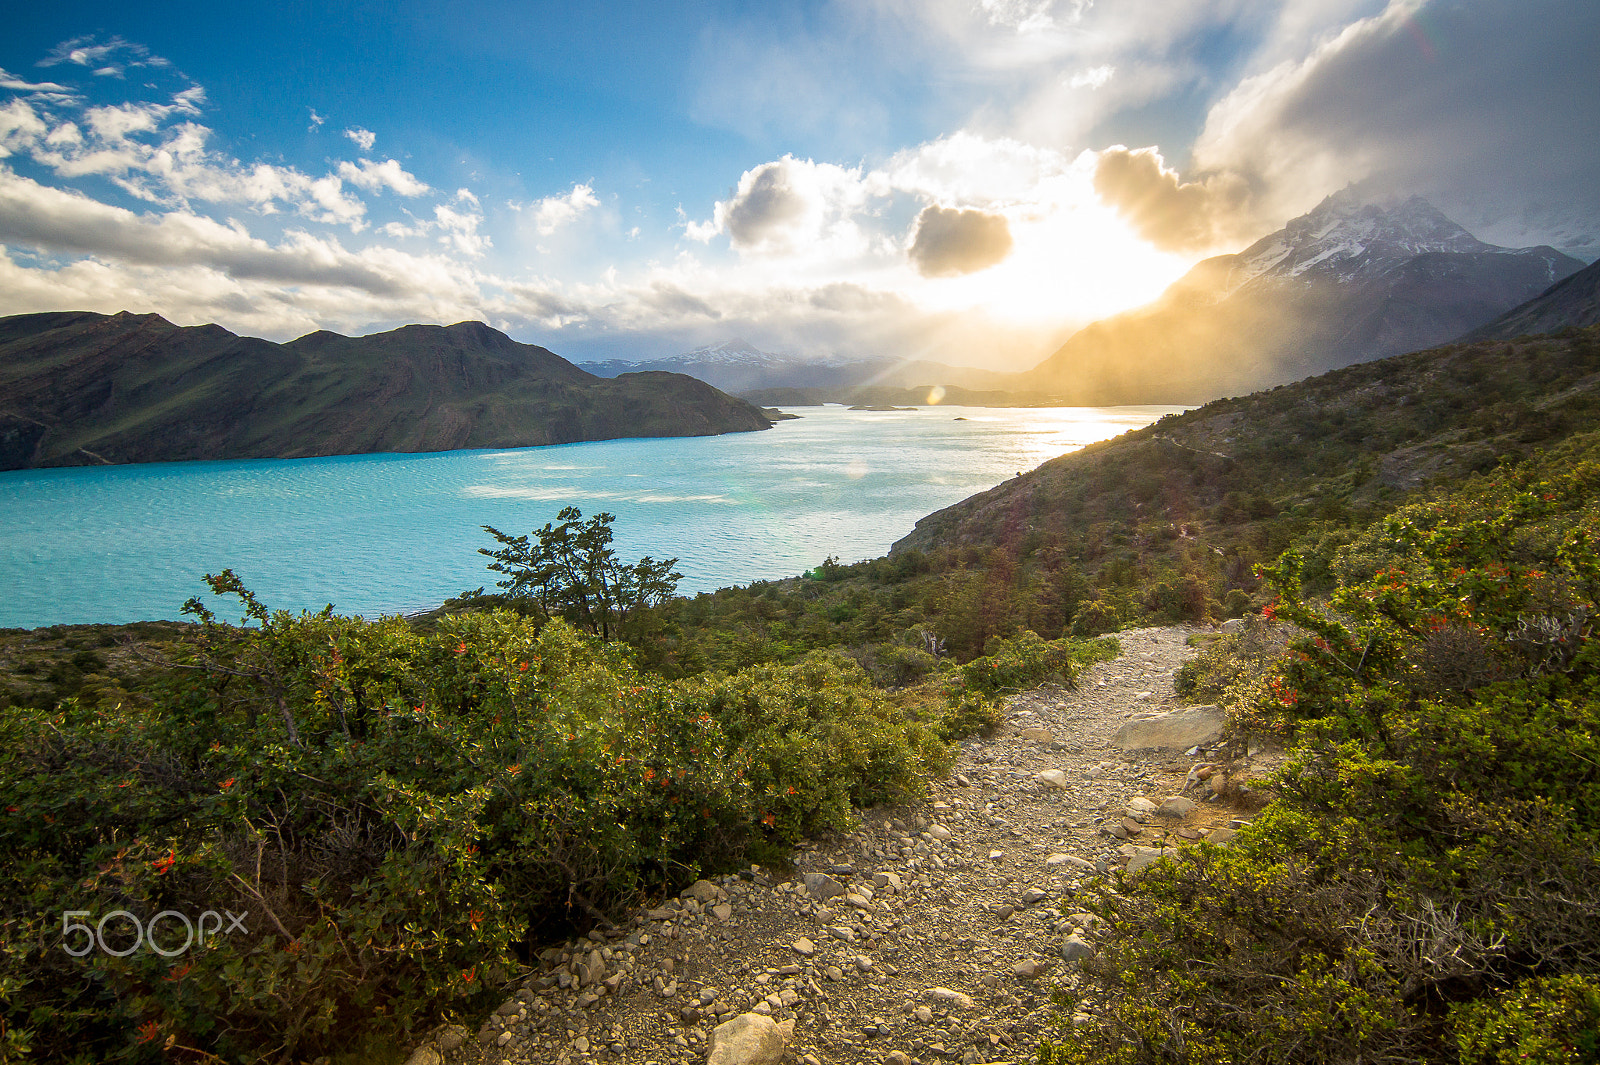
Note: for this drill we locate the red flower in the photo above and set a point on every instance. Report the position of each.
(226, 783)
(148, 1031)
(161, 865)
(461, 648)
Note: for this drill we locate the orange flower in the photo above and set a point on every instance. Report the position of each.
(148, 1031)
(469, 975)
(461, 648)
(161, 865)
(226, 783)
(475, 918)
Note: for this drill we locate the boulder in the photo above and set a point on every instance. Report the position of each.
(1175, 730)
(749, 1039)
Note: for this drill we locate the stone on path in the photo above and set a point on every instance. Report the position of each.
(1174, 730)
(1040, 735)
(1055, 778)
(1176, 806)
(821, 886)
(952, 999)
(804, 947)
(1076, 948)
(749, 1039)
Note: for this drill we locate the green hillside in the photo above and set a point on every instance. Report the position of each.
(78, 388)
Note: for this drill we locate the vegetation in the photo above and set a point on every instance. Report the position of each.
(1426, 886)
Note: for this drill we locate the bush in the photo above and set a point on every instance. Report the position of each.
(397, 811)
(1551, 1021)
(1094, 619)
(1437, 831)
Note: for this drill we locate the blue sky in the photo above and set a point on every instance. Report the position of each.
(921, 179)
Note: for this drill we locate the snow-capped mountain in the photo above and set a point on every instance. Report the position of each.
(1347, 282)
(1345, 240)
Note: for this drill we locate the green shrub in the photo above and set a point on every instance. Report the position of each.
(1095, 618)
(396, 811)
(1549, 1021)
(1437, 830)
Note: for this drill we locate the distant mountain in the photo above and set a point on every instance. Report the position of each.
(739, 366)
(1574, 301)
(1346, 283)
(78, 388)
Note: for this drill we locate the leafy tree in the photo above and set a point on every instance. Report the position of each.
(571, 571)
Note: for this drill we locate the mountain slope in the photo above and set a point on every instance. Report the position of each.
(78, 388)
(1345, 283)
(1573, 302)
(1226, 475)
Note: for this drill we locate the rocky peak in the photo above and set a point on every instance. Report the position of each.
(1346, 238)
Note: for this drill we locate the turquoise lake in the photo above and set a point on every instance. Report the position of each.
(384, 534)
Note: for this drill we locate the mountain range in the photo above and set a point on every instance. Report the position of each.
(1348, 282)
(79, 388)
(739, 366)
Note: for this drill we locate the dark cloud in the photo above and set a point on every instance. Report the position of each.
(1486, 108)
(766, 205)
(950, 242)
(1169, 212)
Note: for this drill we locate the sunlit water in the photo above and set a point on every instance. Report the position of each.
(383, 534)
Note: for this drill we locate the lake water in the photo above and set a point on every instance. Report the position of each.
(383, 534)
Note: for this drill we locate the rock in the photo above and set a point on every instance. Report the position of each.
(923, 1015)
(1140, 808)
(1176, 806)
(1131, 827)
(1233, 626)
(722, 911)
(1222, 836)
(804, 947)
(1144, 857)
(749, 1039)
(939, 832)
(949, 999)
(1002, 910)
(1054, 778)
(1029, 969)
(1039, 735)
(452, 1038)
(891, 881)
(701, 891)
(863, 963)
(425, 1055)
(997, 856)
(1076, 948)
(821, 886)
(1034, 896)
(1173, 730)
(896, 1057)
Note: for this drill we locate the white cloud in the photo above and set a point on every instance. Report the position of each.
(364, 138)
(1093, 78)
(553, 212)
(16, 84)
(375, 177)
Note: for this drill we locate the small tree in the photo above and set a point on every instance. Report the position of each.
(571, 571)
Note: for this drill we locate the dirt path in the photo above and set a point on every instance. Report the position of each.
(931, 934)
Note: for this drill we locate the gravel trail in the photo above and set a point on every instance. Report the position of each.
(933, 933)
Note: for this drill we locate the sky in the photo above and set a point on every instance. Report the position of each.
(961, 180)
